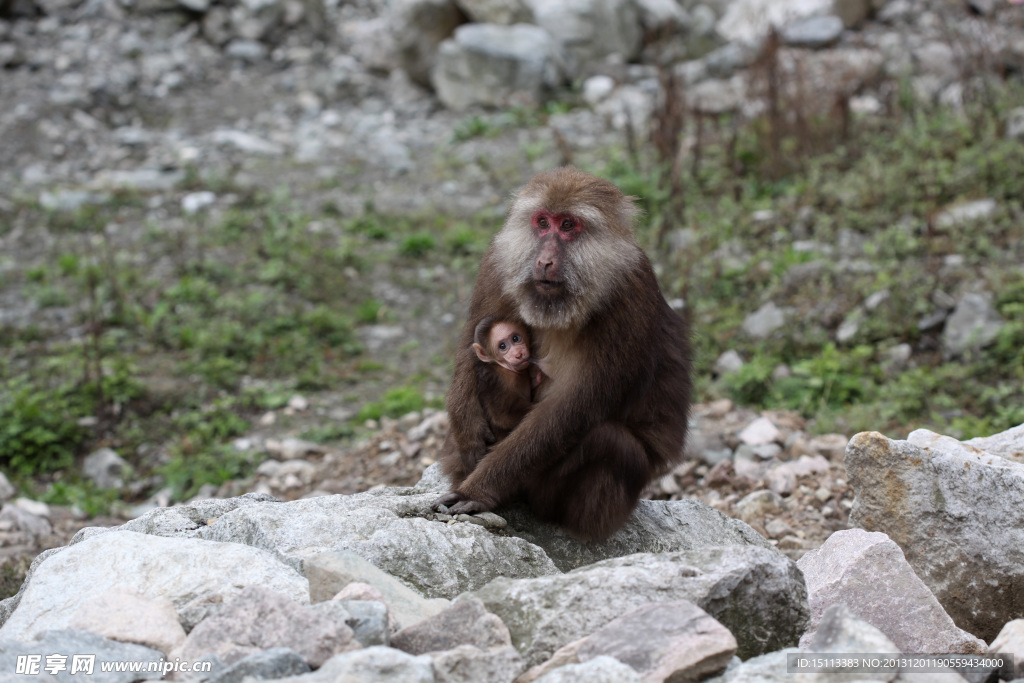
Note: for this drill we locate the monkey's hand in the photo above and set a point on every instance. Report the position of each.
(458, 504)
(447, 500)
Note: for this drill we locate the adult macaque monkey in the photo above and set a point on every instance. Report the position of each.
(505, 374)
(612, 413)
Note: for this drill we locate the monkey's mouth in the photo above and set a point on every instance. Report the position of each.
(549, 286)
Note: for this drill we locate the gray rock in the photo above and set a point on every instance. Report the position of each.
(765, 320)
(419, 28)
(466, 622)
(468, 664)
(451, 559)
(769, 668)
(245, 142)
(258, 619)
(331, 573)
(105, 468)
(957, 513)
(869, 573)
(680, 642)
(841, 632)
(1015, 124)
(1008, 444)
(372, 665)
(590, 30)
(15, 518)
(760, 431)
(813, 32)
(755, 592)
(729, 362)
(655, 527)
(497, 66)
(196, 576)
(194, 202)
(723, 62)
(505, 12)
(7, 490)
(597, 670)
(974, 324)
(719, 96)
(270, 664)
(966, 213)
(69, 643)
(369, 621)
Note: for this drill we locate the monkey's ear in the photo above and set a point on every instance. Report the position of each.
(481, 354)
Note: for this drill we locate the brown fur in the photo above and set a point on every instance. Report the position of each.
(613, 413)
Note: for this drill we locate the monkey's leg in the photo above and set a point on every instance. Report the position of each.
(594, 489)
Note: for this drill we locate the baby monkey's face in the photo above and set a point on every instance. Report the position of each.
(510, 346)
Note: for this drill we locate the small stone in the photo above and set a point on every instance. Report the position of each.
(466, 622)
(778, 528)
(597, 88)
(194, 202)
(765, 320)
(729, 362)
(7, 490)
(298, 403)
(760, 431)
(813, 32)
(105, 468)
(966, 213)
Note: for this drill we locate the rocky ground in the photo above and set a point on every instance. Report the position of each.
(760, 468)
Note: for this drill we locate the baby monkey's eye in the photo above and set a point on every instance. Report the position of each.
(516, 339)
(502, 346)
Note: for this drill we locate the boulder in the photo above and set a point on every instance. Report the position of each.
(956, 511)
(418, 28)
(196, 576)
(466, 622)
(497, 66)
(680, 642)
(259, 619)
(756, 593)
(868, 573)
(130, 617)
(591, 30)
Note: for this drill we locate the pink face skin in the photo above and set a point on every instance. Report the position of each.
(510, 346)
(566, 226)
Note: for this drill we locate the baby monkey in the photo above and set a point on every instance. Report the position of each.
(506, 373)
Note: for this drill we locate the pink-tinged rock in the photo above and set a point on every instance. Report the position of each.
(868, 573)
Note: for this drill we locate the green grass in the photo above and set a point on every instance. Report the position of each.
(881, 189)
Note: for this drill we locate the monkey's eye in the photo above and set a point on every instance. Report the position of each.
(502, 346)
(516, 339)
(542, 222)
(568, 224)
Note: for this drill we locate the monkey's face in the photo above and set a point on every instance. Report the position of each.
(567, 243)
(510, 346)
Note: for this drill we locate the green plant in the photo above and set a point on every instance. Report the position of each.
(39, 429)
(395, 403)
(417, 245)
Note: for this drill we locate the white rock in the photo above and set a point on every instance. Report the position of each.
(195, 575)
(760, 431)
(128, 616)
